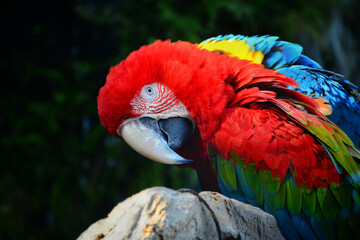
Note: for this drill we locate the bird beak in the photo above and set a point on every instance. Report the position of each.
(158, 139)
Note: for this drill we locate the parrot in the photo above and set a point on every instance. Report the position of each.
(243, 127)
(287, 58)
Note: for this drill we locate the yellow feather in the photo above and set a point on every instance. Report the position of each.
(234, 48)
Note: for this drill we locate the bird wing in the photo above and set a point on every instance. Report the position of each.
(341, 94)
(287, 58)
(267, 50)
(276, 151)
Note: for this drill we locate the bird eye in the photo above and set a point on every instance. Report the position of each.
(149, 90)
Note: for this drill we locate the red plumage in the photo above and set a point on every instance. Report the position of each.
(267, 137)
(255, 139)
(178, 66)
(237, 105)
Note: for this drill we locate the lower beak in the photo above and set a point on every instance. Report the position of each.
(158, 140)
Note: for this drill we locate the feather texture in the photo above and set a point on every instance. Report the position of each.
(288, 59)
(256, 138)
(294, 155)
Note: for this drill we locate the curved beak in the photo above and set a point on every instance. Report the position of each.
(158, 140)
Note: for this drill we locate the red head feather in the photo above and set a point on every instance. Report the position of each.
(205, 82)
(196, 77)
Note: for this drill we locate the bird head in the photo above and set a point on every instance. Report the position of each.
(160, 95)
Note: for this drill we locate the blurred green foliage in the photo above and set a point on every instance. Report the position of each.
(60, 170)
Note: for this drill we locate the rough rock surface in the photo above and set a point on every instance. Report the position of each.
(162, 213)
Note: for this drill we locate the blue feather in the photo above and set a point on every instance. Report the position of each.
(340, 93)
(303, 227)
(287, 58)
(306, 61)
(285, 224)
(324, 229)
(273, 58)
(290, 51)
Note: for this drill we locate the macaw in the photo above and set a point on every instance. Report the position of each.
(312, 79)
(245, 129)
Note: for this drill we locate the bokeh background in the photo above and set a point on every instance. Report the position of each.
(60, 170)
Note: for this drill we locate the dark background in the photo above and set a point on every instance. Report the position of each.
(60, 170)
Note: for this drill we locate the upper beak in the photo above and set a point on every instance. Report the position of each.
(158, 139)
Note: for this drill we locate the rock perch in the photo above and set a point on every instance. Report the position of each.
(162, 213)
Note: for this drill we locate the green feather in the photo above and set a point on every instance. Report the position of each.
(252, 178)
(342, 193)
(323, 134)
(231, 174)
(343, 155)
(353, 151)
(248, 194)
(275, 200)
(324, 229)
(254, 184)
(269, 202)
(356, 154)
(335, 162)
(213, 163)
(226, 170)
(281, 196)
(222, 174)
(318, 213)
(328, 204)
(212, 152)
(337, 144)
(260, 195)
(309, 202)
(271, 183)
(347, 162)
(293, 196)
(248, 179)
(240, 162)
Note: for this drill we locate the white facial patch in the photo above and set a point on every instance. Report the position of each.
(159, 102)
